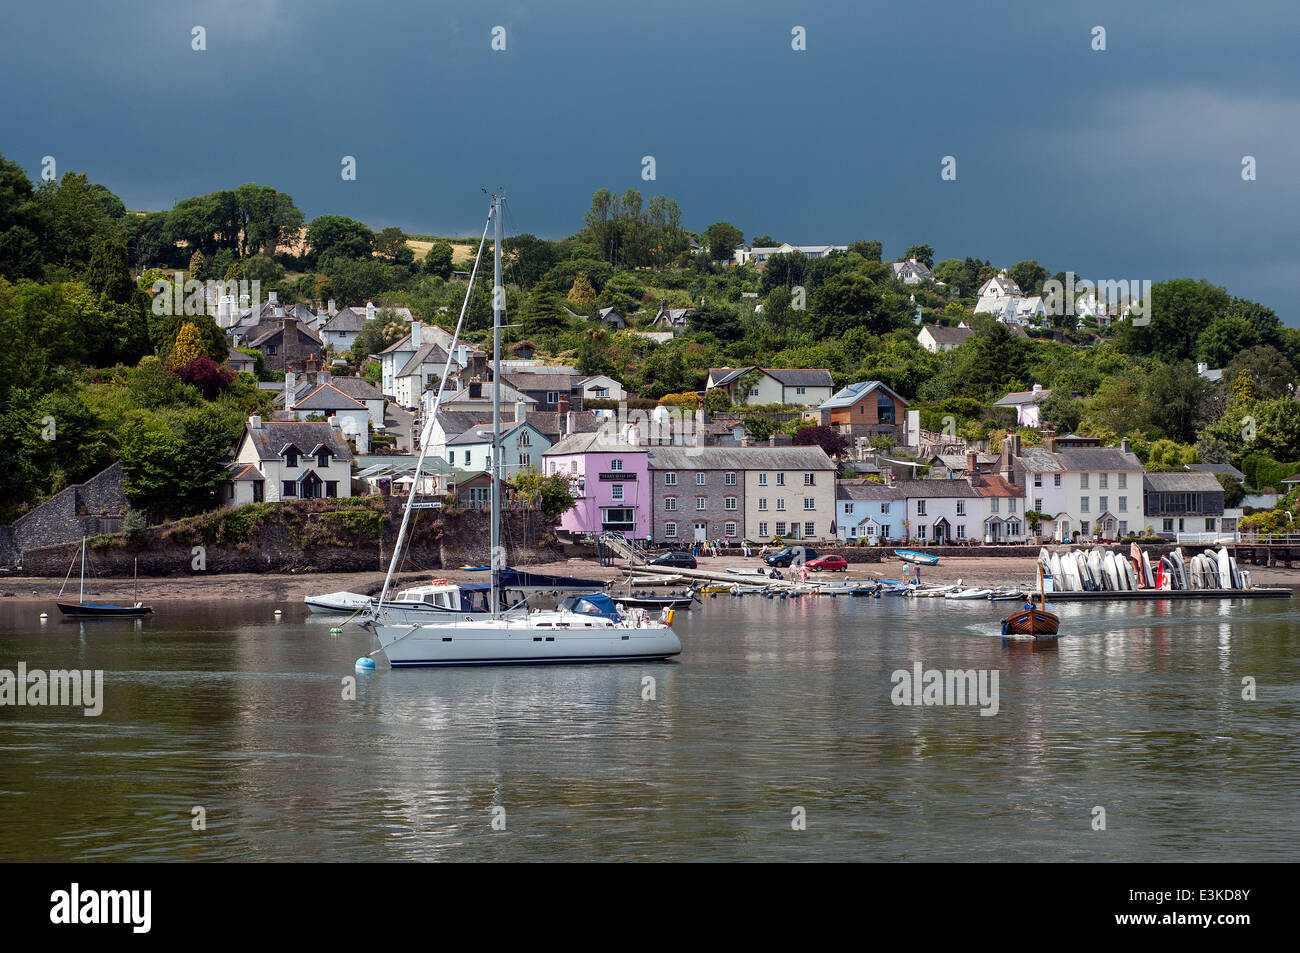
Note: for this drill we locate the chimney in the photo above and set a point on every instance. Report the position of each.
(1050, 443)
(290, 389)
(272, 298)
(254, 422)
(416, 339)
(1125, 446)
(462, 354)
(971, 465)
(562, 405)
(323, 377)
(370, 311)
(1202, 367)
(475, 390)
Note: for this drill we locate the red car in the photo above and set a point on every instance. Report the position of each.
(829, 564)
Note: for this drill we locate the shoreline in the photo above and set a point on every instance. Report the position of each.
(293, 587)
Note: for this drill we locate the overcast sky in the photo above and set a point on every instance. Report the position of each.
(1125, 163)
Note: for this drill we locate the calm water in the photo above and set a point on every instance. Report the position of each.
(772, 706)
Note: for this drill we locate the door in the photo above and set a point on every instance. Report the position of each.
(701, 532)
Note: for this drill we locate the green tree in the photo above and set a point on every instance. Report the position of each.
(336, 236)
(1029, 275)
(871, 251)
(722, 239)
(199, 267)
(437, 260)
(1181, 310)
(188, 346)
(922, 253)
(1224, 338)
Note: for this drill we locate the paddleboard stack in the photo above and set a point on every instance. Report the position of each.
(1101, 570)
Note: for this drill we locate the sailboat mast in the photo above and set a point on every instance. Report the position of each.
(498, 294)
(82, 598)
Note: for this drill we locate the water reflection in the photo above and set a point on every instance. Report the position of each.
(773, 705)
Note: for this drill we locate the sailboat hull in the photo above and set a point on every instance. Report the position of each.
(509, 642)
(90, 610)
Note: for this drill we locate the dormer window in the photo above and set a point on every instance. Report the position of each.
(323, 459)
(291, 458)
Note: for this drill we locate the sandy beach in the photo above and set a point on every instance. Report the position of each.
(291, 588)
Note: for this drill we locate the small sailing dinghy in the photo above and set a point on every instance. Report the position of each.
(918, 559)
(82, 609)
(1036, 623)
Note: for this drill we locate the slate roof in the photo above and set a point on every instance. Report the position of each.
(427, 354)
(328, 397)
(482, 433)
(356, 387)
(868, 492)
(561, 383)
(945, 335)
(1217, 468)
(1019, 397)
(245, 471)
(1084, 459)
(800, 377)
(275, 435)
(739, 458)
(548, 422)
(593, 443)
(1192, 481)
(264, 332)
(935, 489)
(850, 395)
(349, 319)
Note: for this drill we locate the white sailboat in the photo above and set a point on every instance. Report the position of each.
(584, 628)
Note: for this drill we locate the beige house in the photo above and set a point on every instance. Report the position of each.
(756, 386)
(289, 460)
(789, 492)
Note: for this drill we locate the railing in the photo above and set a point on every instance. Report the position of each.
(1231, 538)
(1252, 539)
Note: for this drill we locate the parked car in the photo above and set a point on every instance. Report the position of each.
(675, 558)
(829, 564)
(786, 556)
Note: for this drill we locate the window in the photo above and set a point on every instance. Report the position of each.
(730, 479)
(961, 530)
(670, 502)
(1209, 524)
(289, 488)
(780, 479)
(762, 529)
(809, 503)
(615, 465)
(670, 479)
(451, 456)
(1083, 527)
(322, 459)
(920, 507)
(670, 530)
(884, 507)
(848, 509)
(729, 503)
(762, 503)
(729, 530)
(753, 392)
(809, 530)
(527, 441)
(1123, 527)
(1169, 526)
(331, 488)
(810, 479)
(884, 408)
(270, 350)
(552, 396)
(701, 502)
(780, 502)
(1103, 503)
(699, 479)
(1013, 528)
(961, 507)
(920, 532)
(1123, 481)
(1083, 504)
(1011, 505)
(1102, 479)
(1038, 479)
(1056, 479)
(1038, 504)
(616, 492)
(1083, 481)
(762, 479)
(780, 529)
(291, 459)
(993, 504)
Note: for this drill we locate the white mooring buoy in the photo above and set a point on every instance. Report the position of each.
(44, 616)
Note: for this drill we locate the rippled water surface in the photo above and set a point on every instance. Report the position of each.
(772, 706)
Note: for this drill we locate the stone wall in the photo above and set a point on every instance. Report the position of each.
(464, 541)
(85, 509)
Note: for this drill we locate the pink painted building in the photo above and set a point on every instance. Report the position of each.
(611, 484)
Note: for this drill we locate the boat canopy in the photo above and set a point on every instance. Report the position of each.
(537, 582)
(596, 603)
